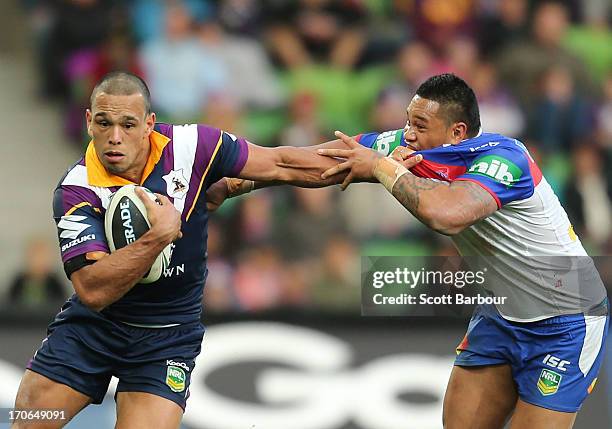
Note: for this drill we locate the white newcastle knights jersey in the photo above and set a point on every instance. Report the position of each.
(530, 250)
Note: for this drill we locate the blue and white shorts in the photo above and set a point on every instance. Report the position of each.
(554, 361)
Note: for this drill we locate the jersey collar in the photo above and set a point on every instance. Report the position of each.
(97, 175)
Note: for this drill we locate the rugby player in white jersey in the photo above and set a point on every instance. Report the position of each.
(535, 358)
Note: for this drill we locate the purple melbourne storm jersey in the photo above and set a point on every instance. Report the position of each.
(537, 261)
(184, 161)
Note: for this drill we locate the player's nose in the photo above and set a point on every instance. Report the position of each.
(115, 136)
(409, 135)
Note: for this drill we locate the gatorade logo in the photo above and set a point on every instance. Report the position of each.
(497, 168)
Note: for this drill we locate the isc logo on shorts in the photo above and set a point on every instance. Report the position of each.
(555, 362)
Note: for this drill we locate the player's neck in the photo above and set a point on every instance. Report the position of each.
(136, 172)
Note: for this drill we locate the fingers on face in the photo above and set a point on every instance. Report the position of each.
(401, 153)
(412, 161)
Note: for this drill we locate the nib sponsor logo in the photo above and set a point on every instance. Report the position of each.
(497, 168)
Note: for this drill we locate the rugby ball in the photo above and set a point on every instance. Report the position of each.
(126, 221)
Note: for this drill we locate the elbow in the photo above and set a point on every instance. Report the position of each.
(91, 301)
(449, 230)
(442, 221)
(87, 294)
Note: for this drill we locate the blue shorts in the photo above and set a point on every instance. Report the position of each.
(83, 349)
(554, 361)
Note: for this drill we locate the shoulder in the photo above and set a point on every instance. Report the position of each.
(200, 133)
(73, 190)
(489, 144)
(76, 174)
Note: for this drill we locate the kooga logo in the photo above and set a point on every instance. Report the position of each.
(497, 168)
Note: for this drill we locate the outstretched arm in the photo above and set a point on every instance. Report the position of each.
(445, 207)
(274, 166)
(298, 166)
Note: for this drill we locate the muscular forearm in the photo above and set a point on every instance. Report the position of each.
(106, 281)
(414, 193)
(445, 207)
(288, 165)
(303, 166)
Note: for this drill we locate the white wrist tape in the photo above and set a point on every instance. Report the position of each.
(388, 171)
(237, 187)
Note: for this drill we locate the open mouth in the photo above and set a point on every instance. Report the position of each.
(113, 156)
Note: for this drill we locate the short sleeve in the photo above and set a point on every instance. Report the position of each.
(504, 172)
(230, 157)
(80, 222)
(384, 142)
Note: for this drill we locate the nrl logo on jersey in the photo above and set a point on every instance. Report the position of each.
(497, 168)
(176, 184)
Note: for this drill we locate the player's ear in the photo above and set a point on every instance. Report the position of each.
(459, 132)
(150, 122)
(88, 119)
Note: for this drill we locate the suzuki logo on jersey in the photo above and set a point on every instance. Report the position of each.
(497, 168)
(176, 184)
(72, 226)
(489, 144)
(555, 362)
(78, 241)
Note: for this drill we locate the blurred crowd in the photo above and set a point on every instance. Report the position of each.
(289, 72)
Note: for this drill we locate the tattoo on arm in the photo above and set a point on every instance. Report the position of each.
(459, 203)
(408, 190)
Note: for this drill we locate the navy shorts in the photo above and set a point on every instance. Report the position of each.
(554, 361)
(83, 349)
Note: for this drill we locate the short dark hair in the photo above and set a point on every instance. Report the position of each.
(122, 83)
(455, 97)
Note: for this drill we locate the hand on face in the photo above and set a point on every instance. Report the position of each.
(401, 153)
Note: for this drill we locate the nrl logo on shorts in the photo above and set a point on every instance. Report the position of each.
(175, 378)
(176, 184)
(549, 382)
